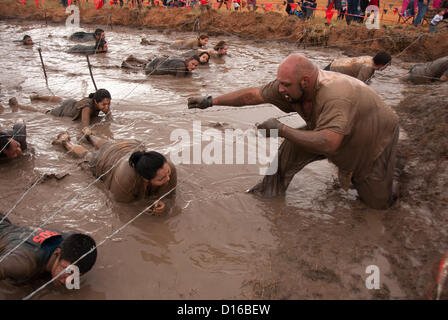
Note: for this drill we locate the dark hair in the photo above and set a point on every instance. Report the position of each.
(382, 58)
(204, 52)
(98, 32)
(76, 245)
(220, 45)
(193, 58)
(4, 140)
(203, 36)
(147, 163)
(100, 43)
(100, 95)
(26, 37)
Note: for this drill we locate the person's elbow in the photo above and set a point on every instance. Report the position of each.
(331, 141)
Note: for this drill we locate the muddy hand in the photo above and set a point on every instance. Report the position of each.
(270, 124)
(159, 208)
(200, 102)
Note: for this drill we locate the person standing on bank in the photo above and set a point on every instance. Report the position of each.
(346, 122)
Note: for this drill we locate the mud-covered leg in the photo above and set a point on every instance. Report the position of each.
(291, 159)
(380, 189)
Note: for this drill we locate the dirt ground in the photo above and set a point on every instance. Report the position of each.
(405, 40)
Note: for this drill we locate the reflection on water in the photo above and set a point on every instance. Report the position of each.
(215, 235)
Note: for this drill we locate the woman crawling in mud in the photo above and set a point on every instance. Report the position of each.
(99, 47)
(199, 42)
(84, 109)
(219, 50)
(130, 173)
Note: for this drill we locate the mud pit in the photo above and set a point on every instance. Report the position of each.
(218, 242)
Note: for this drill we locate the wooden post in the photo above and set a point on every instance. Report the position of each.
(91, 74)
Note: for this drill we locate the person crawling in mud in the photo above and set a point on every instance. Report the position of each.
(82, 36)
(13, 142)
(199, 42)
(99, 47)
(130, 173)
(47, 253)
(173, 66)
(204, 56)
(346, 122)
(85, 109)
(421, 73)
(132, 62)
(362, 68)
(27, 40)
(219, 50)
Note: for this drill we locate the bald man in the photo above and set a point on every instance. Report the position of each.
(346, 122)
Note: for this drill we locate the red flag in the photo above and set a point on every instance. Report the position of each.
(37, 3)
(69, 3)
(23, 2)
(98, 4)
(293, 6)
(268, 6)
(111, 2)
(395, 11)
(330, 12)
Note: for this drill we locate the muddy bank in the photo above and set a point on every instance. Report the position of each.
(402, 40)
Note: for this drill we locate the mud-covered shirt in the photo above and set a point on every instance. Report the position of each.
(29, 260)
(125, 184)
(73, 109)
(349, 107)
(173, 66)
(361, 68)
(431, 71)
(82, 36)
(80, 48)
(187, 44)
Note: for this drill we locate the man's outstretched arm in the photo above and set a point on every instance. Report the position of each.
(239, 98)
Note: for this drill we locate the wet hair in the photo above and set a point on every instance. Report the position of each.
(4, 140)
(382, 58)
(193, 58)
(202, 53)
(26, 37)
(100, 43)
(76, 245)
(100, 95)
(203, 36)
(147, 164)
(98, 32)
(220, 45)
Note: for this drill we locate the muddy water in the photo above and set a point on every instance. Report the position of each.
(216, 241)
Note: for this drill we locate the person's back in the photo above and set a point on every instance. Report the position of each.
(80, 48)
(361, 68)
(82, 36)
(123, 181)
(429, 72)
(30, 259)
(368, 123)
(165, 65)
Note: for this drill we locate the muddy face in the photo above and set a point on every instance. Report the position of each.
(103, 105)
(192, 64)
(13, 150)
(162, 177)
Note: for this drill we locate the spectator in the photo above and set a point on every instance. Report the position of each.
(422, 7)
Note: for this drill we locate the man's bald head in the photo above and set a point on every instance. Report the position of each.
(296, 75)
(298, 66)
